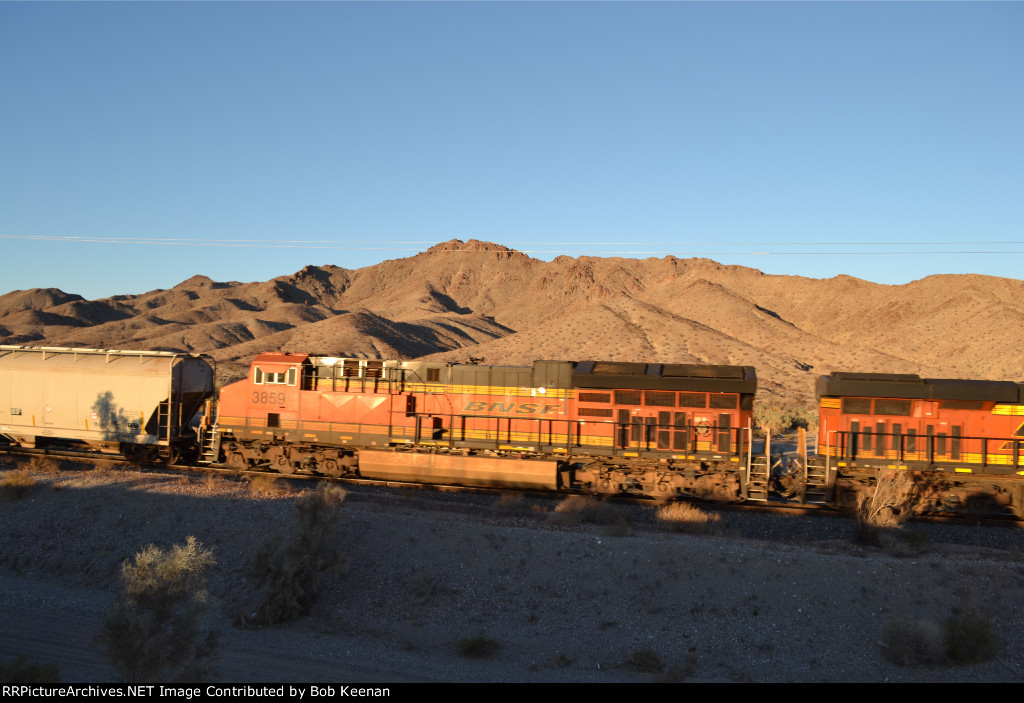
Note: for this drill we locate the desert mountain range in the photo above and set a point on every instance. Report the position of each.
(462, 300)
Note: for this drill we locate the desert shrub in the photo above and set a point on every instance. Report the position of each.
(773, 418)
(678, 673)
(44, 464)
(16, 484)
(154, 630)
(21, 670)
(645, 660)
(970, 638)
(886, 508)
(574, 510)
(288, 571)
(780, 418)
(478, 647)
(562, 661)
(912, 641)
(966, 637)
(424, 589)
(512, 504)
(264, 486)
(686, 517)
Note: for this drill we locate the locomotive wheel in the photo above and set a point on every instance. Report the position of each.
(663, 491)
(980, 505)
(329, 468)
(236, 461)
(849, 500)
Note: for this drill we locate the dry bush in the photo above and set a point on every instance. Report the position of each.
(512, 504)
(288, 572)
(478, 647)
(912, 642)
(264, 486)
(575, 510)
(21, 670)
(44, 464)
(644, 660)
(686, 517)
(772, 418)
(154, 630)
(966, 637)
(16, 484)
(970, 638)
(424, 589)
(886, 508)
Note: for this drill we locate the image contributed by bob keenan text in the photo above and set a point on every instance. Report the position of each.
(290, 691)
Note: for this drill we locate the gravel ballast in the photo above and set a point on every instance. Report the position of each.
(430, 579)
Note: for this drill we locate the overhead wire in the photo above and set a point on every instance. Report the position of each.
(587, 248)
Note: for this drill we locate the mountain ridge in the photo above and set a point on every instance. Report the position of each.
(486, 301)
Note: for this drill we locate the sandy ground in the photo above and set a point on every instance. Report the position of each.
(763, 598)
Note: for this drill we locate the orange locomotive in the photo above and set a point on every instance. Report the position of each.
(659, 430)
(967, 437)
(664, 430)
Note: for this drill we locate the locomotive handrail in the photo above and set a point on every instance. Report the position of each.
(930, 449)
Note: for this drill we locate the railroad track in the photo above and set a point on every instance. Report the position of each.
(779, 507)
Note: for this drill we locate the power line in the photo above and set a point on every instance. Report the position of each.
(587, 248)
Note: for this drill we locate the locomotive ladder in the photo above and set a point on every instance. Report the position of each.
(209, 435)
(757, 480)
(209, 447)
(815, 479)
(817, 487)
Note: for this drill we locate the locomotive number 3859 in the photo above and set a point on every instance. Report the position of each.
(265, 398)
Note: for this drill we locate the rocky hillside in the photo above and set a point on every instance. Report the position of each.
(475, 299)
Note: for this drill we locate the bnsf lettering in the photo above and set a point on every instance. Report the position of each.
(479, 406)
(265, 398)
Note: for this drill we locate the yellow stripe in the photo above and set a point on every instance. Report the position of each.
(1001, 409)
(830, 402)
(516, 391)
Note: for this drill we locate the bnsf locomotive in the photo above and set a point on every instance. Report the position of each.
(964, 437)
(659, 430)
(604, 427)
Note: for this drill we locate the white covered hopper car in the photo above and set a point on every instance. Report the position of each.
(139, 403)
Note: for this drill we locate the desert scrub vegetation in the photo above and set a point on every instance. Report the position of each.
(645, 661)
(286, 570)
(154, 630)
(44, 465)
(512, 505)
(478, 647)
(686, 517)
(575, 510)
(264, 486)
(21, 670)
(780, 418)
(885, 509)
(16, 484)
(966, 637)
(970, 637)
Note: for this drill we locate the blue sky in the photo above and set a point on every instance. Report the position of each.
(142, 143)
